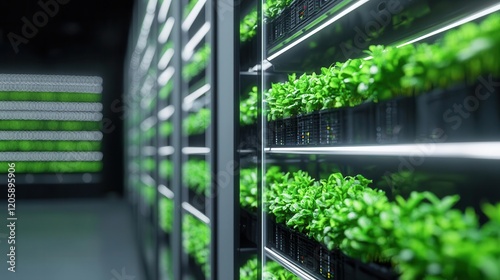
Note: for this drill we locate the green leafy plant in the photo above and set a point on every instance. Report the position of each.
(166, 129)
(166, 213)
(49, 96)
(196, 176)
(189, 7)
(149, 164)
(196, 241)
(35, 125)
(26, 145)
(55, 166)
(198, 62)
(433, 232)
(197, 123)
(248, 188)
(166, 169)
(272, 8)
(248, 26)
(463, 54)
(248, 108)
(272, 271)
(166, 90)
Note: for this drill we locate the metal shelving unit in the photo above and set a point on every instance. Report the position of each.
(166, 40)
(329, 36)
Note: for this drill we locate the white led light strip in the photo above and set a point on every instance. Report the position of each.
(165, 7)
(165, 76)
(195, 212)
(165, 59)
(165, 151)
(165, 32)
(52, 135)
(165, 113)
(193, 14)
(188, 100)
(50, 83)
(50, 156)
(148, 123)
(54, 116)
(319, 28)
(188, 51)
(472, 17)
(166, 192)
(50, 106)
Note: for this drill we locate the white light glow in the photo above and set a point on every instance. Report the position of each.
(188, 100)
(148, 180)
(473, 150)
(188, 50)
(195, 150)
(188, 22)
(167, 29)
(50, 83)
(165, 113)
(472, 17)
(165, 151)
(50, 156)
(319, 28)
(166, 192)
(147, 58)
(148, 123)
(165, 76)
(165, 59)
(163, 12)
(195, 212)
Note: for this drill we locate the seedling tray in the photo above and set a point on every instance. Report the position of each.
(308, 129)
(356, 269)
(297, 16)
(290, 128)
(332, 127)
(395, 121)
(457, 114)
(248, 225)
(361, 124)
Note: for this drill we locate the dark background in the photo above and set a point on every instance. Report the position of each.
(84, 37)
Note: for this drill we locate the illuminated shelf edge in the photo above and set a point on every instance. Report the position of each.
(477, 150)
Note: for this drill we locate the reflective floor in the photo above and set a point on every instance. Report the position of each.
(71, 239)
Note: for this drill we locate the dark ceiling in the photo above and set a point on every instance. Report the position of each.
(79, 35)
(73, 37)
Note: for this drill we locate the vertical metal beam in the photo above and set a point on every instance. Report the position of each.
(177, 143)
(226, 87)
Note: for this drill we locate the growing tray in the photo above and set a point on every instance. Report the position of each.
(297, 16)
(302, 251)
(361, 124)
(395, 121)
(315, 258)
(460, 113)
(332, 127)
(308, 129)
(248, 225)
